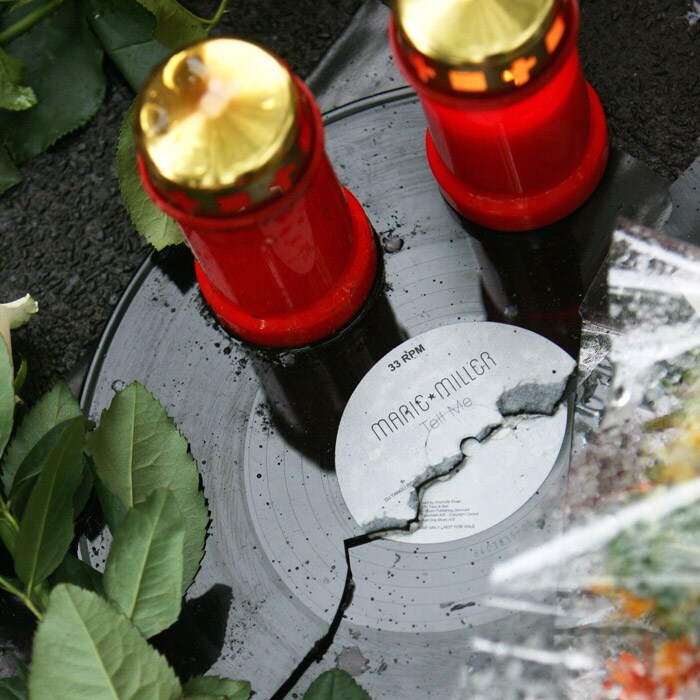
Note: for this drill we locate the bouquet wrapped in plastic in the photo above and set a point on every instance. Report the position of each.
(615, 598)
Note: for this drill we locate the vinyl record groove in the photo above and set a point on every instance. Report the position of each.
(279, 520)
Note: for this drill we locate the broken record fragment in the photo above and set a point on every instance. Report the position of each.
(455, 431)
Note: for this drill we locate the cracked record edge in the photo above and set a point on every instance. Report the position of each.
(446, 469)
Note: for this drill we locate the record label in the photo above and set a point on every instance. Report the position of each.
(471, 411)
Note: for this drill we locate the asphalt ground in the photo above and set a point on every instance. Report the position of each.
(66, 238)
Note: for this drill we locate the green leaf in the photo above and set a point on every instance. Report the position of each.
(176, 27)
(22, 670)
(84, 490)
(152, 223)
(17, 3)
(8, 535)
(64, 62)
(85, 650)
(218, 687)
(335, 685)
(46, 529)
(20, 376)
(9, 174)
(35, 462)
(51, 409)
(137, 449)
(125, 30)
(14, 96)
(7, 395)
(143, 573)
(13, 689)
(73, 570)
(113, 509)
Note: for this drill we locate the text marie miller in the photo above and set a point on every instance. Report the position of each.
(445, 387)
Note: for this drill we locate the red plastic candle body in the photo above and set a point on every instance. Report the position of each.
(293, 270)
(518, 159)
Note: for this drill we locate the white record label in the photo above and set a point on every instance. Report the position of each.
(478, 404)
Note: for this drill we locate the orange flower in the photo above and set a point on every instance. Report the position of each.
(677, 662)
(671, 671)
(635, 607)
(631, 676)
(630, 605)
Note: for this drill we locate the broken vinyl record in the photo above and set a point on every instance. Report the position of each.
(286, 527)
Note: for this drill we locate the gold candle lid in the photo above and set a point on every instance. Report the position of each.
(216, 126)
(478, 46)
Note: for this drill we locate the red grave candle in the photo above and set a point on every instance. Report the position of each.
(516, 136)
(231, 146)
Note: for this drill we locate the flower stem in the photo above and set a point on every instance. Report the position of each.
(24, 597)
(28, 21)
(9, 528)
(663, 422)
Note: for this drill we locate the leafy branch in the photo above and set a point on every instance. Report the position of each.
(25, 597)
(51, 56)
(93, 628)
